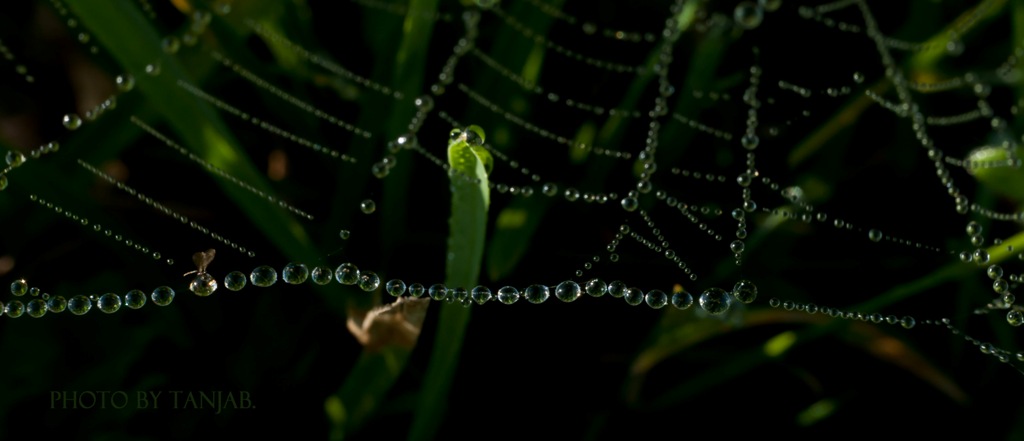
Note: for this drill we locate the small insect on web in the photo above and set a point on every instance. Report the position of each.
(204, 284)
(202, 260)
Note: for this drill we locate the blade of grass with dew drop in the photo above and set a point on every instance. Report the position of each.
(466, 239)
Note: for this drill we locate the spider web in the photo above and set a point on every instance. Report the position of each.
(856, 163)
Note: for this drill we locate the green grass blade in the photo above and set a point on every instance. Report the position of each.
(466, 238)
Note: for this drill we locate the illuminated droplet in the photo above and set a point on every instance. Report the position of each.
(714, 300)
(79, 305)
(295, 273)
(109, 303)
(263, 276)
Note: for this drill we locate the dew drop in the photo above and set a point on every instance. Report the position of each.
(203, 285)
(19, 287)
(737, 246)
(748, 15)
(875, 235)
(630, 204)
(125, 82)
(416, 290)
(57, 304)
(368, 206)
(395, 287)
(745, 291)
(109, 303)
(973, 228)
(656, 299)
(907, 322)
(980, 257)
(153, 69)
(72, 121)
(347, 274)
(438, 292)
(537, 294)
(508, 295)
(481, 294)
(36, 308)
(750, 141)
(633, 296)
(263, 276)
(15, 159)
(682, 299)
(368, 281)
(715, 301)
(596, 287)
(1015, 318)
(617, 289)
(15, 308)
(294, 273)
(322, 275)
(568, 291)
(135, 299)
(235, 281)
(79, 305)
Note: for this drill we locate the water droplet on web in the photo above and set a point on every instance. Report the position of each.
(875, 235)
(125, 82)
(537, 294)
(994, 272)
(109, 303)
(135, 299)
(737, 246)
(908, 322)
(15, 159)
(15, 308)
(508, 295)
(153, 69)
(656, 299)
(438, 292)
(750, 141)
(745, 291)
(395, 287)
(630, 204)
(973, 228)
(858, 77)
(617, 289)
(748, 14)
(416, 290)
(981, 257)
(36, 308)
(368, 206)
(481, 294)
(368, 281)
(322, 275)
(263, 276)
(633, 296)
(682, 299)
(715, 301)
(235, 280)
(79, 305)
(1015, 318)
(57, 304)
(295, 273)
(596, 287)
(347, 274)
(568, 291)
(19, 287)
(203, 284)
(72, 121)
(344, 234)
